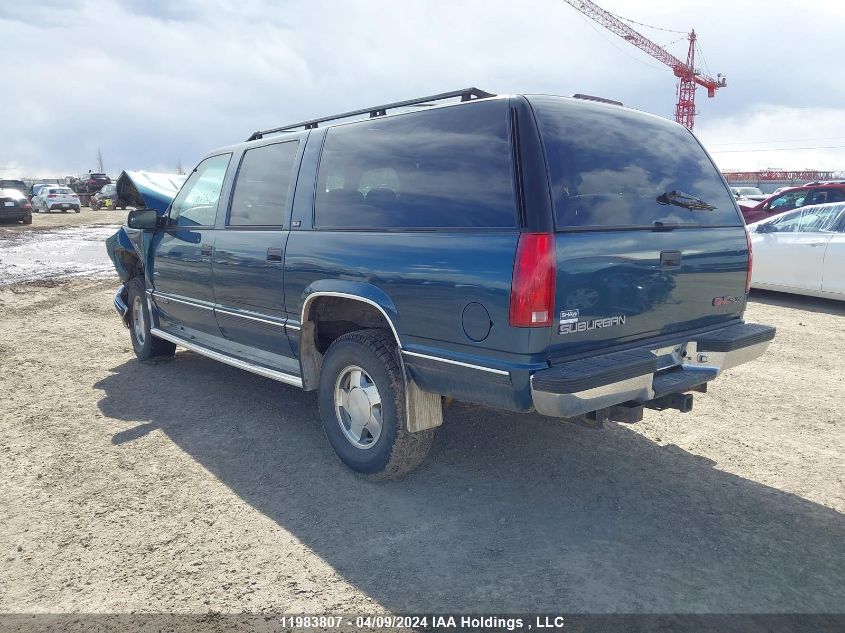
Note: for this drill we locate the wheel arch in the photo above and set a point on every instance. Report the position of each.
(372, 299)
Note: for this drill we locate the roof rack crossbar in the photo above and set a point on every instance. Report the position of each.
(467, 94)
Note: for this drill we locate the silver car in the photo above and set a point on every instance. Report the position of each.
(56, 198)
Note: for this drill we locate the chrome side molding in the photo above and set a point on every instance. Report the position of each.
(273, 374)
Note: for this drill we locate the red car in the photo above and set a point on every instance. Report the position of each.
(791, 199)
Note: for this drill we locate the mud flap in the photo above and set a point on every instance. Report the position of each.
(424, 408)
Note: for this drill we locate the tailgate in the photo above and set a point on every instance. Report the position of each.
(649, 240)
(613, 288)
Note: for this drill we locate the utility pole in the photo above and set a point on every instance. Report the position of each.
(100, 167)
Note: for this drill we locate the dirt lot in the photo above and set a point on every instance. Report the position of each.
(57, 219)
(190, 486)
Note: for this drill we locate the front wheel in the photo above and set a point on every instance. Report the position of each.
(145, 345)
(362, 406)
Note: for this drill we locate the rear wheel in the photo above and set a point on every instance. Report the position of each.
(93, 204)
(362, 406)
(145, 345)
(27, 219)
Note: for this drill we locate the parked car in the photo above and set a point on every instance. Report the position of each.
(90, 183)
(55, 197)
(107, 198)
(34, 189)
(14, 205)
(17, 185)
(792, 198)
(801, 251)
(748, 193)
(510, 251)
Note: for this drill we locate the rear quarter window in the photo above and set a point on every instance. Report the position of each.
(443, 168)
(607, 165)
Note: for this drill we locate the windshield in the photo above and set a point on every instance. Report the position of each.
(608, 165)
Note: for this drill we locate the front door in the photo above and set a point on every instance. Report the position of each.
(181, 261)
(248, 262)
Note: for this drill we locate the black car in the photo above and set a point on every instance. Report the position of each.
(14, 205)
(17, 185)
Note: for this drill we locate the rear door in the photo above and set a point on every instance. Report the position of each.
(630, 267)
(181, 257)
(248, 262)
(833, 269)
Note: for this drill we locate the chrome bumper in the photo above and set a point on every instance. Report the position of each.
(640, 375)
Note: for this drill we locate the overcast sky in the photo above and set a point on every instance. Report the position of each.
(156, 82)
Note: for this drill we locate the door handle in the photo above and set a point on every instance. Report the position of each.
(205, 250)
(817, 243)
(274, 254)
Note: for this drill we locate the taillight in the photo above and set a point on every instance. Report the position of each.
(533, 284)
(750, 262)
(26, 205)
(52, 195)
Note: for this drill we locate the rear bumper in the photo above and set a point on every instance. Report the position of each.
(643, 374)
(13, 213)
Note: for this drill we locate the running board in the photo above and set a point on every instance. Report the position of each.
(288, 379)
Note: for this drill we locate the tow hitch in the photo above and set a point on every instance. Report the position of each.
(680, 401)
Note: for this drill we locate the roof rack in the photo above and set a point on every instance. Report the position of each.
(467, 94)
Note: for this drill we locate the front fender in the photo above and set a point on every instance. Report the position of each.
(129, 251)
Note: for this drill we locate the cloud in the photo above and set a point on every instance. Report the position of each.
(152, 82)
(754, 138)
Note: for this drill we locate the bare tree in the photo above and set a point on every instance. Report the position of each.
(100, 167)
(179, 169)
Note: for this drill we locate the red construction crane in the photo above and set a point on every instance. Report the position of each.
(688, 77)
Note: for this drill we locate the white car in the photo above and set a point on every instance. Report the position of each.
(801, 251)
(749, 193)
(56, 197)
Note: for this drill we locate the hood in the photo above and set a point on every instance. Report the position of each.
(148, 189)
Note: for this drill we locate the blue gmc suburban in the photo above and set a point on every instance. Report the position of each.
(531, 253)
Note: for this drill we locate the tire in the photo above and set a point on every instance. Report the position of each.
(76, 210)
(93, 205)
(27, 219)
(383, 452)
(145, 345)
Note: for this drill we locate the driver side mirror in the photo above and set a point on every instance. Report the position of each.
(145, 219)
(766, 228)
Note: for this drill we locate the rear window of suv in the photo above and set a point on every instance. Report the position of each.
(607, 165)
(442, 168)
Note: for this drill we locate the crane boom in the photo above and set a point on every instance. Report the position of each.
(685, 71)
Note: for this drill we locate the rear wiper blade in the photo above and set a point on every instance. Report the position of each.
(685, 200)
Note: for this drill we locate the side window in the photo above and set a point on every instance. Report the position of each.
(788, 223)
(787, 201)
(442, 168)
(196, 203)
(261, 188)
(820, 219)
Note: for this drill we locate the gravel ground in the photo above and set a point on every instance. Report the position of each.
(189, 486)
